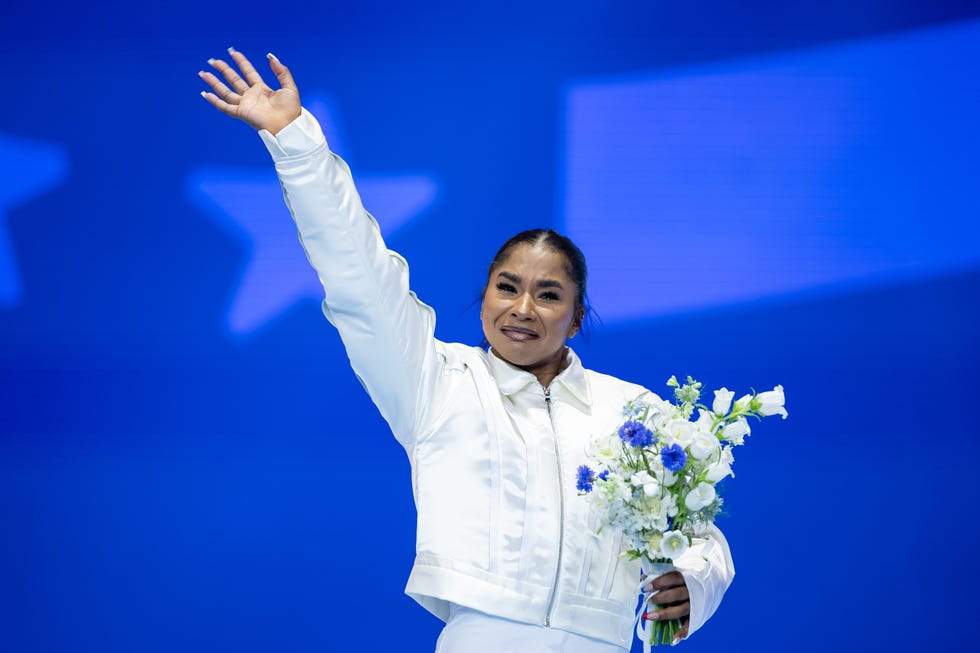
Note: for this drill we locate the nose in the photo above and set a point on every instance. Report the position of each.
(523, 308)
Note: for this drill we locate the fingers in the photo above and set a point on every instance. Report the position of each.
(221, 105)
(233, 78)
(282, 73)
(667, 581)
(248, 70)
(220, 89)
(673, 601)
(668, 612)
(682, 633)
(672, 595)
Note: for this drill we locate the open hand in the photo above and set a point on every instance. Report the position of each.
(248, 98)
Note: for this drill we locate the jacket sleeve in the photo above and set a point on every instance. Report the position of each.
(387, 332)
(708, 570)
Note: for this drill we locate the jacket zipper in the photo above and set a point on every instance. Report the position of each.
(561, 510)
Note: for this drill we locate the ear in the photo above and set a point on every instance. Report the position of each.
(576, 322)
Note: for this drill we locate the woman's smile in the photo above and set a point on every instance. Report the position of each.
(519, 333)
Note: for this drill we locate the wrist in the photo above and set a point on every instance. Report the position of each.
(276, 126)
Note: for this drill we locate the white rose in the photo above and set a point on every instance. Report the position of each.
(703, 445)
(700, 496)
(723, 401)
(673, 544)
(736, 431)
(772, 402)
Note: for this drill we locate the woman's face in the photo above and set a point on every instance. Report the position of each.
(529, 310)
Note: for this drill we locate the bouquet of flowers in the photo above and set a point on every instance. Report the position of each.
(654, 478)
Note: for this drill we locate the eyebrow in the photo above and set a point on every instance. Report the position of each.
(542, 283)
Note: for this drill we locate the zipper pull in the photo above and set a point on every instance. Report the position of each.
(547, 399)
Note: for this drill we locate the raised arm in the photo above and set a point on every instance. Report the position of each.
(387, 332)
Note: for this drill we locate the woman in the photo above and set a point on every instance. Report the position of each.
(507, 552)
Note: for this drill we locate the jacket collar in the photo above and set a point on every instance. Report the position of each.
(511, 380)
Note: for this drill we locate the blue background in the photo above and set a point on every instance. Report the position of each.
(766, 194)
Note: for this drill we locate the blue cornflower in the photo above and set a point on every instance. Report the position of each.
(584, 479)
(673, 457)
(635, 434)
(603, 475)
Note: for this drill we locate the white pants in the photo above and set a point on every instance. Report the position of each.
(471, 631)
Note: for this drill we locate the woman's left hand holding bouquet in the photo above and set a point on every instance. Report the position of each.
(671, 592)
(248, 98)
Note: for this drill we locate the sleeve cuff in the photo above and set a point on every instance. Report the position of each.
(298, 137)
(708, 571)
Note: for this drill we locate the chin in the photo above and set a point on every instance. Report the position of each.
(521, 356)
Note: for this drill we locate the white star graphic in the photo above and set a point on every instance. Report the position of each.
(248, 205)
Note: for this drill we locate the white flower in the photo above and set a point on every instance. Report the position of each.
(666, 477)
(718, 471)
(650, 485)
(703, 445)
(736, 431)
(606, 451)
(652, 514)
(727, 456)
(617, 489)
(653, 543)
(700, 496)
(704, 420)
(723, 401)
(742, 403)
(680, 431)
(772, 402)
(673, 544)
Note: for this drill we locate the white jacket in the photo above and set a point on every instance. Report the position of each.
(501, 526)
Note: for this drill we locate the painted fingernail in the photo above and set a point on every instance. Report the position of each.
(232, 50)
(210, 62)
(651, 616)
(204, 95)
(677, 640)
(272, 56)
